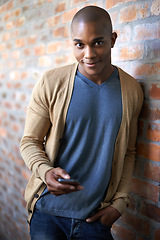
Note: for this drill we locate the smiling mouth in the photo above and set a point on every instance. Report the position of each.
(91, 64)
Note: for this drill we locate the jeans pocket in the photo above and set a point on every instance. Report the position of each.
(104, 225)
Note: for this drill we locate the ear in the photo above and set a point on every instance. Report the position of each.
(113, 39)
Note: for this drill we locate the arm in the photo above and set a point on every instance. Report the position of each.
(36, 128)
(32, 145)
(121, 198)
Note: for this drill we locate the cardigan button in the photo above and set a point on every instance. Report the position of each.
(36, 195)
(30, 211)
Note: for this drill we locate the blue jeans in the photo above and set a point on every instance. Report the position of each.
(48, 227)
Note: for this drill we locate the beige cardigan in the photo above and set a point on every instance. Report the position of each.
(44, 129)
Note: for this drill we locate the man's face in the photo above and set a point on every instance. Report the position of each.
(92, 48)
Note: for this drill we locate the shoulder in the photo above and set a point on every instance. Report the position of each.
(59, 73)
(131, 90)
(130, 84)
(54, 80)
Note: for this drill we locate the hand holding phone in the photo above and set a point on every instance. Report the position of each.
(63, 186)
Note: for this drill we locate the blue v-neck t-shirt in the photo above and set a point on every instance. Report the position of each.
(86, 152)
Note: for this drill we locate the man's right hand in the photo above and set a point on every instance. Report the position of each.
(56, 188)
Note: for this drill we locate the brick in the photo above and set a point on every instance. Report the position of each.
(138, 168)
(153, 49)
(39, 50)
(25, 9)
(19, 22)
(122, 233)
(26, 174)
(114, 17)
(9, 25)
(16, 12)
(151, 211)
(124, 34)
(7, 16)
(20, 42)
(3, 132)
(147, 31)
(9, 45)
(2, 76)
(152, 172)
(20, 63)
(137, 223)
(155, 8)
(53, 47)
(9, 5)
(68, 44)
(5, 55)
(67, 16)
(60, 7)
(131, 52)
(134, 12)
(15, 34)
(148, 69)
(153, 132)
(15, 127)
(22, 76)
(157, 234)
(113, 3)
(27, 52)
(155, 91)
(128, 14)
(6, 36)
(60, 60)
(32, 39)
(2, 9)
(78, 1)
(150, 113)
(17, 85)
(15, 54)
(144, 10)
(44, 61)
(2, 47)
(61, 32)
(132, 203)
(40, 2)
(14, 75)
(145, 190)
(53, 21)
(149, 151)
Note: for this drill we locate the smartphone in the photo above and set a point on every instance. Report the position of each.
(68, 181)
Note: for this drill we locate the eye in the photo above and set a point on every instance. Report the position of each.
(79, 45)
(99, 43)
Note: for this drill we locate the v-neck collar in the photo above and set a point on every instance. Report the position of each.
(93, 84)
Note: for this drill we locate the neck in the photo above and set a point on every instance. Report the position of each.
(98, 78)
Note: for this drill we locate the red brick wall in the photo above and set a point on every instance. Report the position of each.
(34, 36)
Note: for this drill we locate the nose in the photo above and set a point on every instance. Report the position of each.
(89, 53)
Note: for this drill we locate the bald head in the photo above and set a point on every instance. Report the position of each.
(93, 14)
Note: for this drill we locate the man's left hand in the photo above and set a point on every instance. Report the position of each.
(107, 216)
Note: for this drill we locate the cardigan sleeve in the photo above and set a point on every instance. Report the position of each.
(36, 128)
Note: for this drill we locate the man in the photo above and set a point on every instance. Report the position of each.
(81, 124)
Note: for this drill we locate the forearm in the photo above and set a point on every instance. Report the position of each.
(32, 144)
